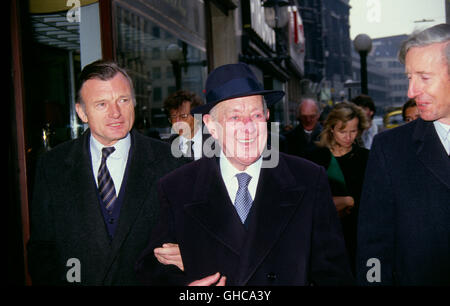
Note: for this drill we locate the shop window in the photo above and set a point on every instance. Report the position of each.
(162, 54)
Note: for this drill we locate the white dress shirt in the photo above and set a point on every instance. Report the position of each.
(116, 162)
(443, 131)
(197, 139)
(368, 135)
(229, 172)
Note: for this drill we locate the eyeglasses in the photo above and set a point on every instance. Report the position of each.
(180, 116)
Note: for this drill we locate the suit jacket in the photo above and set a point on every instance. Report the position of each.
(293, 238)
(404, 215)
(66, 218)
(296, 143)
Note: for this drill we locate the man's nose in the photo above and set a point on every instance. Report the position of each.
(114, 110)
(413, 89)
(248, 125)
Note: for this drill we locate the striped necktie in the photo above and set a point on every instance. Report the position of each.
(105, 182)
(243, 201)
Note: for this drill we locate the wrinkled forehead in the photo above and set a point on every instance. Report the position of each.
(242, 104)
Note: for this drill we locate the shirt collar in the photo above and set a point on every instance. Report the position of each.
(229, 171)
(196, 138)
(122, 148)
(442, 129)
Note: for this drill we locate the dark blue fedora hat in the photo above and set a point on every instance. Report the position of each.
(233, 81)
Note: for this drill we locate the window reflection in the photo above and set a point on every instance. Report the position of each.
(159, 63)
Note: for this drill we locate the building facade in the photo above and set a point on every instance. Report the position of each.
(384, 56)
(328, 63)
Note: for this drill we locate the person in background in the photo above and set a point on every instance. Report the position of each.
(301, 139)
(403, 226)
(239, 220)
(345, 162)
(95, 201)
(188, 138)
(369, 108)
(410, 111)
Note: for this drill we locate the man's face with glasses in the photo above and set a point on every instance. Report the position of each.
(182, 121)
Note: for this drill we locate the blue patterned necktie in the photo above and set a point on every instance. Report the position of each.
(243, 201)
(105, 182)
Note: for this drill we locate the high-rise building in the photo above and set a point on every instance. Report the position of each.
(384, 56)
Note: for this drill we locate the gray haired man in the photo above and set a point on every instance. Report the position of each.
(404, 228)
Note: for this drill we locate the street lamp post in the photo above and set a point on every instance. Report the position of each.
(363, 45)
(276, 15)
(174, 54)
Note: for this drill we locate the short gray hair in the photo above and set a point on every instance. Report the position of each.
(311, 98)
(436, 34)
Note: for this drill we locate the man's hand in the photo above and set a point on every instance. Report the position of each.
(210, 280)
(169, 254)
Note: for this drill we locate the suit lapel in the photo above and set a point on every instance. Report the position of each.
(277, 198)
(212, 208)
(430, 151)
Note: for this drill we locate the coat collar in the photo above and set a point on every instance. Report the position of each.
(212, 207)
(430, 151)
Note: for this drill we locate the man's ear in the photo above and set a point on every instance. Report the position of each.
(210, 125)
(267, 115)
(81, 112)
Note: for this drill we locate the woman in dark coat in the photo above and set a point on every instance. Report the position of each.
(345, 162)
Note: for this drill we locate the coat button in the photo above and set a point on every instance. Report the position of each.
(271, 276)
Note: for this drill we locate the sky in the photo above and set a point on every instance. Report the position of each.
(381, 18)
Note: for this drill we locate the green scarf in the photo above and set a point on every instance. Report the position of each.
(335, 173)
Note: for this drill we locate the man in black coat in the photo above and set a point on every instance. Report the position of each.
(255, 220)
(300, 141)
(404, 215)
(95, 198)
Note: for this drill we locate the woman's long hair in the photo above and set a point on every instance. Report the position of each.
(342, 112)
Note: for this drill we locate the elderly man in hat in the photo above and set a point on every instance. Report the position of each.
(240, 221)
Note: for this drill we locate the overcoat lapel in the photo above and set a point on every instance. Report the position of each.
(430, 151)
(137, 189)
(83, 211)
(212, 207)
(277, 198)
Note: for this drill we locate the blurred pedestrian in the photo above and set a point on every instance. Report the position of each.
(410, 111)
(403, 227)
(369, 108)
(345, 162)
(188, 130)
(301, 139)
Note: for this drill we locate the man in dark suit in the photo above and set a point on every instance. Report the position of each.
(95, 197)
(404, 215)
(300, 141)
(249, 219)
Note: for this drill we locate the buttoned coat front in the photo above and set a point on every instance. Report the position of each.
(293, 236)
(67, 222)
(404, 215)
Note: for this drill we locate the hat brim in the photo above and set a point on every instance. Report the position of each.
(271, 97)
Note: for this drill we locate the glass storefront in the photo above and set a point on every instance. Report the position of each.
(164, 51)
